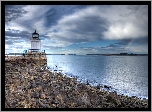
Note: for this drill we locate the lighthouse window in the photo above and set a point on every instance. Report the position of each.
(35, 35)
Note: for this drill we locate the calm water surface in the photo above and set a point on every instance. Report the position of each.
(126, 74)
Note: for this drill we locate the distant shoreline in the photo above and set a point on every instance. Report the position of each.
(120, 54)
(88, 54)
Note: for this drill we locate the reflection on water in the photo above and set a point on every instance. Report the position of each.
(126, 74)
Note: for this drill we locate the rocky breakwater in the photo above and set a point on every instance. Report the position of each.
(28, 86)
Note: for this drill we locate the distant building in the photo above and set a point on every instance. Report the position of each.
(123, 53)
(35, 43)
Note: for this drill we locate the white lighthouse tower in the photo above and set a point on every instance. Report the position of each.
(35, 42)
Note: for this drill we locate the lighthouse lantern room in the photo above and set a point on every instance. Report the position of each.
(35, 42)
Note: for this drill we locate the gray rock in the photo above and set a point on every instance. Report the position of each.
(35, 95)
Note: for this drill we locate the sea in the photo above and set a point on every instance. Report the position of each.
(127, 75)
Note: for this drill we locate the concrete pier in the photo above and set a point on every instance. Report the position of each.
(36, 57)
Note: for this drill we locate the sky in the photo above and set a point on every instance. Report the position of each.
(78, 29)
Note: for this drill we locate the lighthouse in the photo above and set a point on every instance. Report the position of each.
(35, 51)
(35, 42)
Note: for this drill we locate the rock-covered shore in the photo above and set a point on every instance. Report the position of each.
(28, 86)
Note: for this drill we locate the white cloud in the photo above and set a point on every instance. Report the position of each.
(126, 31)
(33, 19)
(131, 24)
(122, 23)
(92, 23)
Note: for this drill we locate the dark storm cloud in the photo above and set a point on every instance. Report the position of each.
(57, 12)
(30, 18)
(83, 29)
(93, 25)
(61, 26)
(112, 45)
(139, 41)
(17, 33)
(43, 37)
(76, 22)
(13, 12)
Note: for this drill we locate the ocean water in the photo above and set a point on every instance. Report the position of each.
(127, 75)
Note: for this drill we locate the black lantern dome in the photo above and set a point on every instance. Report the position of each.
(35, 35)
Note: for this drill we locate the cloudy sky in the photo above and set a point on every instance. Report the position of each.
(78, 29)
